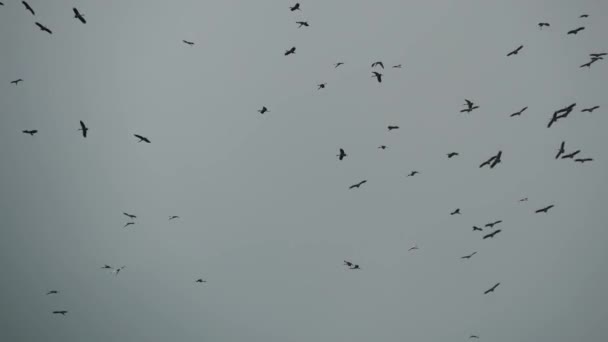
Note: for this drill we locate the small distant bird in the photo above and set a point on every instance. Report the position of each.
(358, 185)
(492, 288)
(564, 113)
(525, 199)
(1, 4)
(470, 106)
(348, 263)
(380, 64)
(106, 267)
(413, 248)
(355, 267)
(30, 132)
(130, 216)
(468, 256)
(541, 25)
(16, 82)
(28, 7)
(382, 147)
(545, 209)
(44, 28)
(561, 150)
(188, 42)
(452, 154)
(473, 336)
(321, 86)
(492, 234)
(377, 75)
(519, 113)
(455, 212)
(290, 51)
(584, 16)
(571, 155)
(475, 228)
(79, 16)
(583, 160)
(338, 64)
(492, 224)
(588, 64)
(52, 292)
(413, 173)
(84, 129)
(398, 66)
(200, 281)
(590, 110)
(598, 55)
(516, 51)
(116, 271)
(173, 217)
(128, 224)
(576, 30)
(62, 312)
(142, 138)
(263, 110)
(493, 161)
(342, 154)
(390, 128)
(302, 23)
(295, 7)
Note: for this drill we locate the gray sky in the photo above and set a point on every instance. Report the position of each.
(266, 214)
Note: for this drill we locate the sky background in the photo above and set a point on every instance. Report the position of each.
(266, 216)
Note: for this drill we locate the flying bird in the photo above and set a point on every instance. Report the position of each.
(413, 173)
(118, 270)
(543, 24)
(290, 51)
(128, 224)
(321, 86)
(398, 66)
(413, 248)
(452, 154)
(62, 312)
(475, 228)
(380, 64)
(44, 28)
(516, 51)
(493, 161)
(492, 234)
(30, 132)
(583, 160)
(584, 16)
(564, 113)
(473, 336)
(525, 199)
(28, 7)
(16, 82)
(545, 209)
(338, 64)
(455, 212)
(588, 64)
(561, 150)
(295, 7)
(52, 292)
(79, 16)
(571, 155)
(590, 110)
(357, 185)
(106, 267)
(188, 42)
(263, 110)
(492, 224)
(348, 263)
(355, 267)
(390, 128)
(342, 154)
(470, 106)
(519, 113)
(598, 55)
(173, 217)
(492, 288)
(377, 75)
(84, 129)
(468, 256)
(382, 147)
(200, 280)
(576, 30)
(141, 138)
(302, 23)
(130, 216)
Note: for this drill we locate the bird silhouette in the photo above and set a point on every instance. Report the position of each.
(525, 199)
(173, 217)
(355, 267)
(130, 216)
(413, 173)
(598, 55)
(493, 161)
(491, 289)
(61, 312)
(52, 292)
(473, 336)
(141, 138)
(128, 224)
(106, 267)
(475, 228)
(468, 256)
(358, 185)
(200, 281)
(338, 64)
(295, 7)
(576, 30)
(377, 75)
(28, 7)
(290, 51)
(470, 106)
(390, 128)
(84, 129)
(545, 209)
(263, 110)
(380, 64)
(188, 42)
(590, 110)
(321, 86)
(30, 132)
(588, 64)
(452, 154)
(348, 263)
(16, 82)
(583, 160)
(455, 212)
(398, 66)
(519, 113)
(541, 25)
(116, 271)
(413, 248)
(516, 51)
(302, 23)
(79, 16)
(571, 155)
(584, 16)
(492, 234)
(561, 150)
(492, 224)
(382, 147)
(342, 154)
(44, 28)
(564, 113)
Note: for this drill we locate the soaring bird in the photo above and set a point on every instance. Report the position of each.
(470, 106)
(468, 256)
(263, 110)
(188, 42)
(321, 86)
(492, 288)
(516, 51)
(413, 173)
(382, 147)
(141, 138)
(590, 110)
(290, 51)
(597, 55)
(492, 224)
(473, 336)
(342, 154)
(116, 271)
(1, 4)
(583, 160)
(62, 312)
(398, 66)
(130, 216)
(128, 224)
(347, 263)
(295, 7)
(571, 155)
(584, 16)
(52, 292)
(492, 234)
(525, 199)
(200, 280)
(355, 267)
(84, 129)
(302, 23)
(588, 64)
(493, 161)
(28, 7)
(561, 150)
(390, 128)
(413, 248)
(44, 28)
(519, 113)
(475, 228)
(16, 82)
(173, 217)
(543, 24)
(358, 185)
(106, 267)
(576, 30)
(30, 132)
(564, 113)
(452, 154)
(79, 16)
(380, 64)
(455, 212)
(338, 64)
(377, 75)
(545, 209)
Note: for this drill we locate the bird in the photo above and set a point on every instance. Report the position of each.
(584, 16)
(588, 64)
(173, 217)
(290, 51)
(302, 23)
(473, 336)
(128, 224)
(342, 154)
(576, 30)
(583, 160)
(561, 150)
(492, 288)
(44, 28)
(571, 155)
(79, 16)
(492, 224)
(590, 110)
(377, 75)
(398, 66)
(413, 173)
(475, 228)
(455, 212)
(263, 110)
(321, 86)
(52, 292)
(525, 199)
(338, 64)
(200, 280)
(348, 263)
(452, 154)
(492, 234)
(390, 128)
(28, 7)
(545, 209)
(516, 51)
(382, 147)
(84, 129)
(357, 185)
(413, 248)
(188, 42)
(564, 111)
(118, 270)
(355, 267)
(141, 138)
(62, 312)
(295, 7)
(30, 132)
(380, 64)
(597, 55)
(16, 82)
(470, 106)
(543, 24)
(493, 161)
(1, 4)
(519, 113)
(106, 267)
(130, 216)
(468, 256)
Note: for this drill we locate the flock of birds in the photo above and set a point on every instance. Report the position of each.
(469, 107)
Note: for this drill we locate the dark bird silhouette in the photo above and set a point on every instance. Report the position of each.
(561, 150)
(188, 42)
(516, 51)
(455, 212)
(413, 173)
(28, 7)
(492, 224)
(355, 267)
(380, 64)
(30, 132)
(525, 199)
(571, 155)
(263, 110)
(52, 292)
(493, 161)
(321, 86)
(130, 216)
(116, 271)
(16, 82)
(541, 25)
(588, 64)
(519, 113)
(413, 248)
(62, 312)
(302, 23)
(473, 336)
(576, 30)
(200, 281)
(470, 106)
(468, 256)
(338, 64)
(475, 228)
(84, 129)
(564, 113)
(173, 217)
(348, 263)
(492, 288)
(598, 55)
(584, 16)
(128, 224)
(452, 154)
(583, 160)
(141, 138)
(492, 234)
(290, 51)
(390, 128)
(398, 66)
(358, 185)
(342, 154)
(382, 147)
(106, 267)
(377, 75)
(590, 110)
(1, 4)
(44, 28)
(79, 16)
(544, 210)
(295, 7)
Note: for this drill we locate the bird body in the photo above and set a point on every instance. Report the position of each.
(576, 30)
(28, 7)
(52, 292)
(561, 150)
(142, 138)
(295, 7)
(302, 23)
(30, 132)
(200, 280)
(321, 86)
(342, 154)
(492, 224)
(452, 154)
(338, 64)
(571, 155)
(128, 224)
(62, 312)
(290, 51)
(390, 128)
(545, 209)
(263, 110)
(492, 234)
(583, 160)
(590, 110)
(413, 173)
(468, 256)
(16, 82)
(79, 16)
(455, 212)
(516, 51)
(475, 228)
(380, 64)
(377, 75)
(84, 129)
(44, 28)
(358, 185)
(491, 289)
(413, 248)
(173, 217)
(541, 25)
(130, 216)
(188, 42)
(519, 113)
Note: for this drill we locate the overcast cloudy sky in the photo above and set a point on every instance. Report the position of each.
(266, 216)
